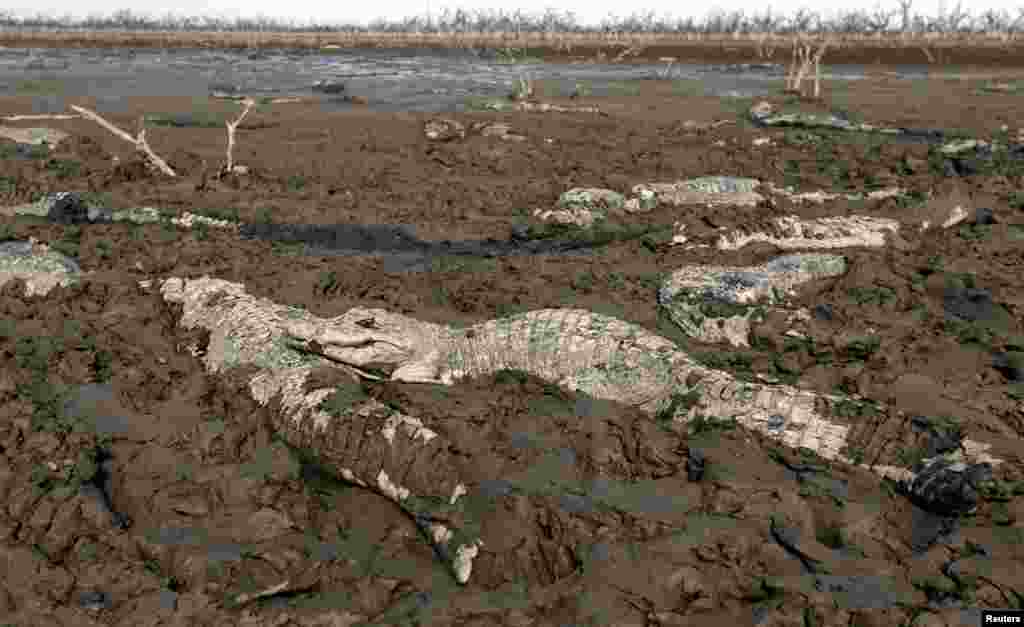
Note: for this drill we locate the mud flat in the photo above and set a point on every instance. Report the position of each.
(141, 488)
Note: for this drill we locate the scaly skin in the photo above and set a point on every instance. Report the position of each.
(602, 356)
(369, 444)
(358, 439)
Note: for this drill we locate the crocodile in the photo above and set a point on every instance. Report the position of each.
(375, 446)
(372, 445)
(307, 371)
(577, 349)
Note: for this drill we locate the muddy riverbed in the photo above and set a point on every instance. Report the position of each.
(138, 489)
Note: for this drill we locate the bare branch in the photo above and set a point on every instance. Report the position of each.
(139, 141)
(880, 20)
(905, 15)
(230, 167)
(817, 68)
(952, 22)
(804, 56)
(41, 116)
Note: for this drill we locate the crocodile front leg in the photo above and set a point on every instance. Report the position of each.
(365, 442)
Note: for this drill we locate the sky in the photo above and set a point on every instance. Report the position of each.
(585, 11)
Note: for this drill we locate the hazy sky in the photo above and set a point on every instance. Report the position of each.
(586, 11)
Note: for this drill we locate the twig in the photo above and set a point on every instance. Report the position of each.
(791, 76)
(764, 52)
(525, 91)
(139, 141)
(43, 116)
(817, 69)
(668, 68)
(248, 102)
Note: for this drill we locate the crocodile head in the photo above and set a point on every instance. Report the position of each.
(375, 343)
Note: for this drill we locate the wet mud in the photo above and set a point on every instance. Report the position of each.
(396, 242)
(138, 489)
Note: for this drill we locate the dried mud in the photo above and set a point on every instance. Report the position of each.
(139, 490)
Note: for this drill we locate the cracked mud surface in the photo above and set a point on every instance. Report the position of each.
(178, 505)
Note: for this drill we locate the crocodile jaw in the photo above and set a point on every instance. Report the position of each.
(425, 369)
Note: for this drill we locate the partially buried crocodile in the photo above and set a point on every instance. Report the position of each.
(370, 444)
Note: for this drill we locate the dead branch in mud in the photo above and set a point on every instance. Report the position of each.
(630, 51)
(139, 141)
(523, 89)
(765, 49)
(545, 107)
(804, 56)
(41, 116)
(230, 167)
(668, 67)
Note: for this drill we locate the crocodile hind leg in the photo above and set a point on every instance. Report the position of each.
(325, 413)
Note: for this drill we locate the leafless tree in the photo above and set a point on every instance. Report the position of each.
(905, 22)
(765, 23)
(802, 20)
(993, 21)
(879, 20)
(953, 22)
(230, 167)
(804, 56)
(138, 141)
(851, 22)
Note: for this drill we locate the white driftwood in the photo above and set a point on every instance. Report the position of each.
(139, 141)
(230, 167)
(804, 56)
(42, 116)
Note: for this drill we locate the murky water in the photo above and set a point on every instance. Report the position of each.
(405, 79)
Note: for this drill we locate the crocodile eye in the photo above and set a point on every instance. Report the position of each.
(367, 323)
